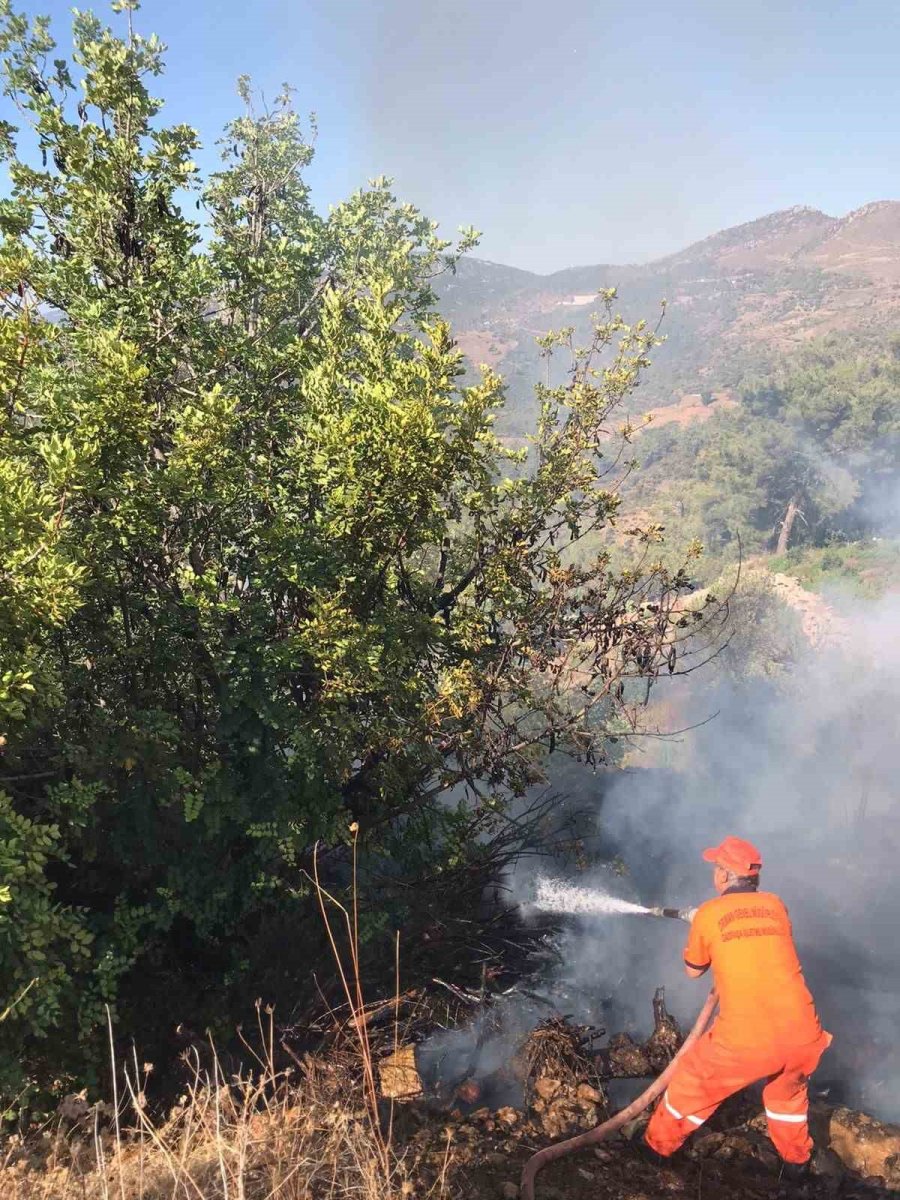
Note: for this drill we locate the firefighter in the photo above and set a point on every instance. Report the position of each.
(767, 1027)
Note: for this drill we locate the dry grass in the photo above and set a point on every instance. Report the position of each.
(262, 1136)
(317, 1132)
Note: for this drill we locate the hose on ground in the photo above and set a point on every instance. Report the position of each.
(601, 1132)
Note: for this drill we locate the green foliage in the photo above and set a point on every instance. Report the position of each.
(766, 636)
(857, 569)
(820, 437)
(265, 570)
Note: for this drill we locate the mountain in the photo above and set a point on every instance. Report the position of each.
(735, 301)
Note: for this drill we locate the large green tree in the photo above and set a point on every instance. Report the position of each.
(265, 571)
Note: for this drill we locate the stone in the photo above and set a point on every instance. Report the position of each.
(398, 1074)
(546, 1088)
(737, 1147)
(706, 1145)
(494, 1158)
(865, 1145)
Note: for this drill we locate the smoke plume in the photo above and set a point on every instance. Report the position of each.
(806, 766)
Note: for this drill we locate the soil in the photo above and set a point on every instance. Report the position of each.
(487, 1153)
(480, 1152)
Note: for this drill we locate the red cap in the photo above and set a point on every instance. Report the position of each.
(735, 855)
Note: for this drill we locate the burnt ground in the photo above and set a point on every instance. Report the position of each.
(465, 1123)
(476, 1137)
(483, 1156)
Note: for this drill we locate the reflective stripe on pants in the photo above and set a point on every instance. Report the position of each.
(711, 1072)
(677, 1115)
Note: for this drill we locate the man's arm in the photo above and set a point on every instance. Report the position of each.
(696, 952)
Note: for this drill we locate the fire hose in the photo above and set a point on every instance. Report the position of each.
(601, 1132)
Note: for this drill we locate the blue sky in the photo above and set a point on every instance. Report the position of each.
(572, 133)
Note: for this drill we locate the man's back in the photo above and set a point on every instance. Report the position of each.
(763, 999)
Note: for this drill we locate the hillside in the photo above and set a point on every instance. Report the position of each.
(734, 300)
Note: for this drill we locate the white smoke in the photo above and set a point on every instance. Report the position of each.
(808, 768)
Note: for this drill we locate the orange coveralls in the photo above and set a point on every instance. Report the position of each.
(767, 1026)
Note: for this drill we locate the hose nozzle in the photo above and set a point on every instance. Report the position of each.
(681, 914)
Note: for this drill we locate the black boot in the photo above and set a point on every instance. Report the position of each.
(651, 1156)
(823, 1164)
(795, 1172)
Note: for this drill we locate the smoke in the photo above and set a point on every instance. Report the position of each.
(807, 766)
(805, 762)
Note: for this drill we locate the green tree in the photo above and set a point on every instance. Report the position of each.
(763, 479)
(265, 569)
(811, 455)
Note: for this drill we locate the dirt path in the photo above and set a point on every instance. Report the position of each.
(821, 625)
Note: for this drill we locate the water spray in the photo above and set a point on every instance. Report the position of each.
(552, 895)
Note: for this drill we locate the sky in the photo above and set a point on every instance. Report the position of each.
(575, 133)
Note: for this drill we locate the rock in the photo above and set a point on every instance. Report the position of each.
(602, 1155)
(508, 1190)
(734, 1146)
(494, 1158)
(507, 1116)
(566, 1114)
(399, 1076)
(864, 1144)
(589, 1094)
(706, 1145)
(546, 1088)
